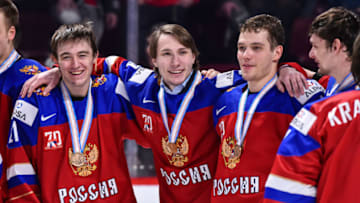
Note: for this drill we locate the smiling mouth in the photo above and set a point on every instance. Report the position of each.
(176, 71)
(76, 72)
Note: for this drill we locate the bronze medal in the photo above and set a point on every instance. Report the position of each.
(78, 159)
(172, 147)
(237, 150)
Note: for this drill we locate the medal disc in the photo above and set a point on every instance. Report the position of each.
(172, 147)
(78, 159)
(237, 151)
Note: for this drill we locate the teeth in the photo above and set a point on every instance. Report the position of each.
(175, 72)
(76, 73)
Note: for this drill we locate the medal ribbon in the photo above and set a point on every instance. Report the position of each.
(78, 141)
(345, 83)
(11, 59)
(242, 127)
(175, 128)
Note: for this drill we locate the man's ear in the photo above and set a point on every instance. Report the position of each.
(53, 58)
(153, 60)
(337, 45)
(278, 51)
(11, 33)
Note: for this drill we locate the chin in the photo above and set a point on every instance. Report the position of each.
(246, 76)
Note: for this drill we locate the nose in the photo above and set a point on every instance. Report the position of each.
(311, 53)
(175, 60)
(76, 62)
(246, 54)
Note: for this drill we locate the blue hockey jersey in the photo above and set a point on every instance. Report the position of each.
(241, 178)
(184, 175)
(14, 71)
(41, 147)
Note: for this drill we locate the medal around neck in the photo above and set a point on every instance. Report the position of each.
(176, 148)
(79, 155)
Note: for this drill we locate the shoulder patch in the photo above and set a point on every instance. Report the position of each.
(99, 81)
(40, 91)
(303, 121)
(30, 70)
(140, 75)
(225, 79)
(120, 89)
(314, 88)
(133, 65)
(25, 112)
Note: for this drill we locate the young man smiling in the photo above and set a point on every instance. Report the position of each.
(251, 119)
(54, 159)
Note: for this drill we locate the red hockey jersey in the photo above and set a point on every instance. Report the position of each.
(41, 148)
(317, 160)
(241, 178)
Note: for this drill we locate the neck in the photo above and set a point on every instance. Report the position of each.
(76, 91)
(257, 85)
(6, 54)
(343, 70)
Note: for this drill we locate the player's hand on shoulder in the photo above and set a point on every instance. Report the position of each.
(210, 73)
(291, 80)
(48, 78)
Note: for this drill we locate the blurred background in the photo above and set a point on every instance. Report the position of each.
(122, 27)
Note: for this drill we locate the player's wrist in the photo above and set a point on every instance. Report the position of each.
(317, 76)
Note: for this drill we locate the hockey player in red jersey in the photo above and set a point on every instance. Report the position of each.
(251, 119)
(317, 160)
(14, 70)
(170, 104)
(332, 34)
(67, 146)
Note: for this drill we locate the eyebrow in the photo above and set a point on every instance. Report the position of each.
(168, 49)
(80, 52)
(253, 43)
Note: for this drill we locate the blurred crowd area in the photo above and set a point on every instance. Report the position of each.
(122, 27)
(213, 24)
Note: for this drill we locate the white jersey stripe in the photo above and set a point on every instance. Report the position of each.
(19, 169)
(286, 185)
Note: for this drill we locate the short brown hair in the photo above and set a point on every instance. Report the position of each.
(11, 13)
(337, 23)
(268, 23)
(73, 32)
(179, 33)
(355, 65)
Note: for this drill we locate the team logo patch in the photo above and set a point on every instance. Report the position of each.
(40, 91)
(303, 121)
(230, 152)
(313, 88)
(176, 152)
(25, 112)
(84, 164)
(30, 70)
(225, 79)
(140, 75)
(52, 140)
(99, 81)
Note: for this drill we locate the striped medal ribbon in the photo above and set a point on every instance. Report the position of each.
(345, 83)
(241, 126)
(175, 128)
(11, 59)
(77, 158)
